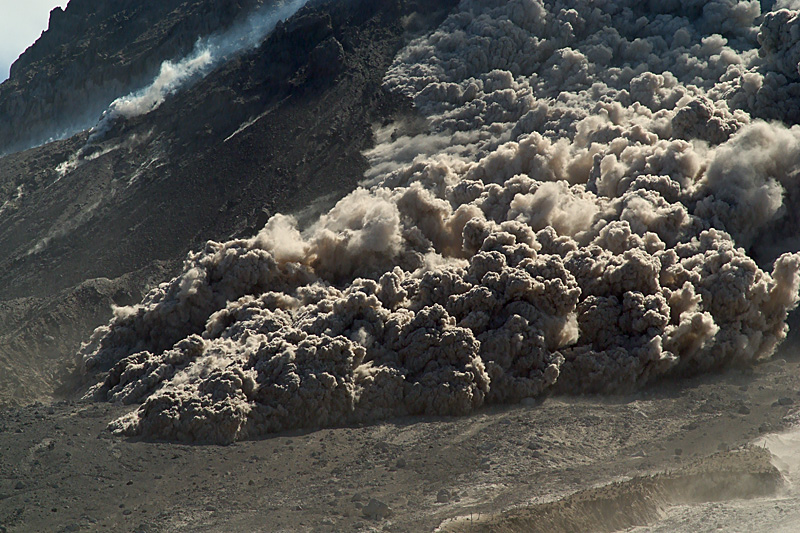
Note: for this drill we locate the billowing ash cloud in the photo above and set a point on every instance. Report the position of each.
(585, 213)
(207, 53)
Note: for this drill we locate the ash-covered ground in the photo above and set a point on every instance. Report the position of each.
(571, 224)
(62, 470)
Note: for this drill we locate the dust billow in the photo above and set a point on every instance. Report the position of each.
(745, 473)
(586, 212)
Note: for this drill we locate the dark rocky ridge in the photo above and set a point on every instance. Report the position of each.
(280, 129)
(94, 52)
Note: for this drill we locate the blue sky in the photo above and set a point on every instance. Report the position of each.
(21, 23)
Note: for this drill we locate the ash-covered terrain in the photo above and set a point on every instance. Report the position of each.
(288, 216)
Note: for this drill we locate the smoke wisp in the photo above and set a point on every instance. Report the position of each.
(584, 211)
(207, 53)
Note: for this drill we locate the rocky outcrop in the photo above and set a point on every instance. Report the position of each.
(95, 51)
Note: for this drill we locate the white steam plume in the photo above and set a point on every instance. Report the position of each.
(208, 52)
(582, 211)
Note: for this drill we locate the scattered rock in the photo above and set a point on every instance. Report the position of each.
(376, 510)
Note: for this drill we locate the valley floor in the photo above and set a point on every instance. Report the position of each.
(61, 470)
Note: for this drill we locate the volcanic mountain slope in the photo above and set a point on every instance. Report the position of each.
(94, 52)
(87, 225)
(582, 198)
